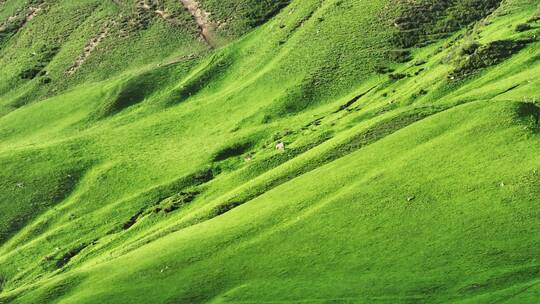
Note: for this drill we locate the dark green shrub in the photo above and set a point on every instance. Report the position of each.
(30, 73)
(469, 48)
(226, 207)
(45, 80)
(522, 27)
(239, 16)
(420, 93)
(489, 55)
(423, 21)
(383, 70)
(530, 113)
(396, 76)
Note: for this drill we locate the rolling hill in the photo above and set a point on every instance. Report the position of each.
(285, 151)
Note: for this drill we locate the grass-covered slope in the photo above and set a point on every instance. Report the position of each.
(138, 159)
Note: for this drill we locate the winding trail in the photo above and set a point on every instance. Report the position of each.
(202, 18)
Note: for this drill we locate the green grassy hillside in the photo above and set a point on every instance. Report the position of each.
(302, 151)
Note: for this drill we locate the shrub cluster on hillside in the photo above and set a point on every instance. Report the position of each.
(237, 17)
(479, 56)
(423, 21)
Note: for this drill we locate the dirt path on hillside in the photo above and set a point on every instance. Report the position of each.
(89, 49)
(202, 18)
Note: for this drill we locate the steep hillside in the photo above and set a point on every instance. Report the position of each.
(171, 151)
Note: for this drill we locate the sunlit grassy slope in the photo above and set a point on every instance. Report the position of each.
(138, 164)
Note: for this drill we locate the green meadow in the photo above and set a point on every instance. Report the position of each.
(285, 151)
